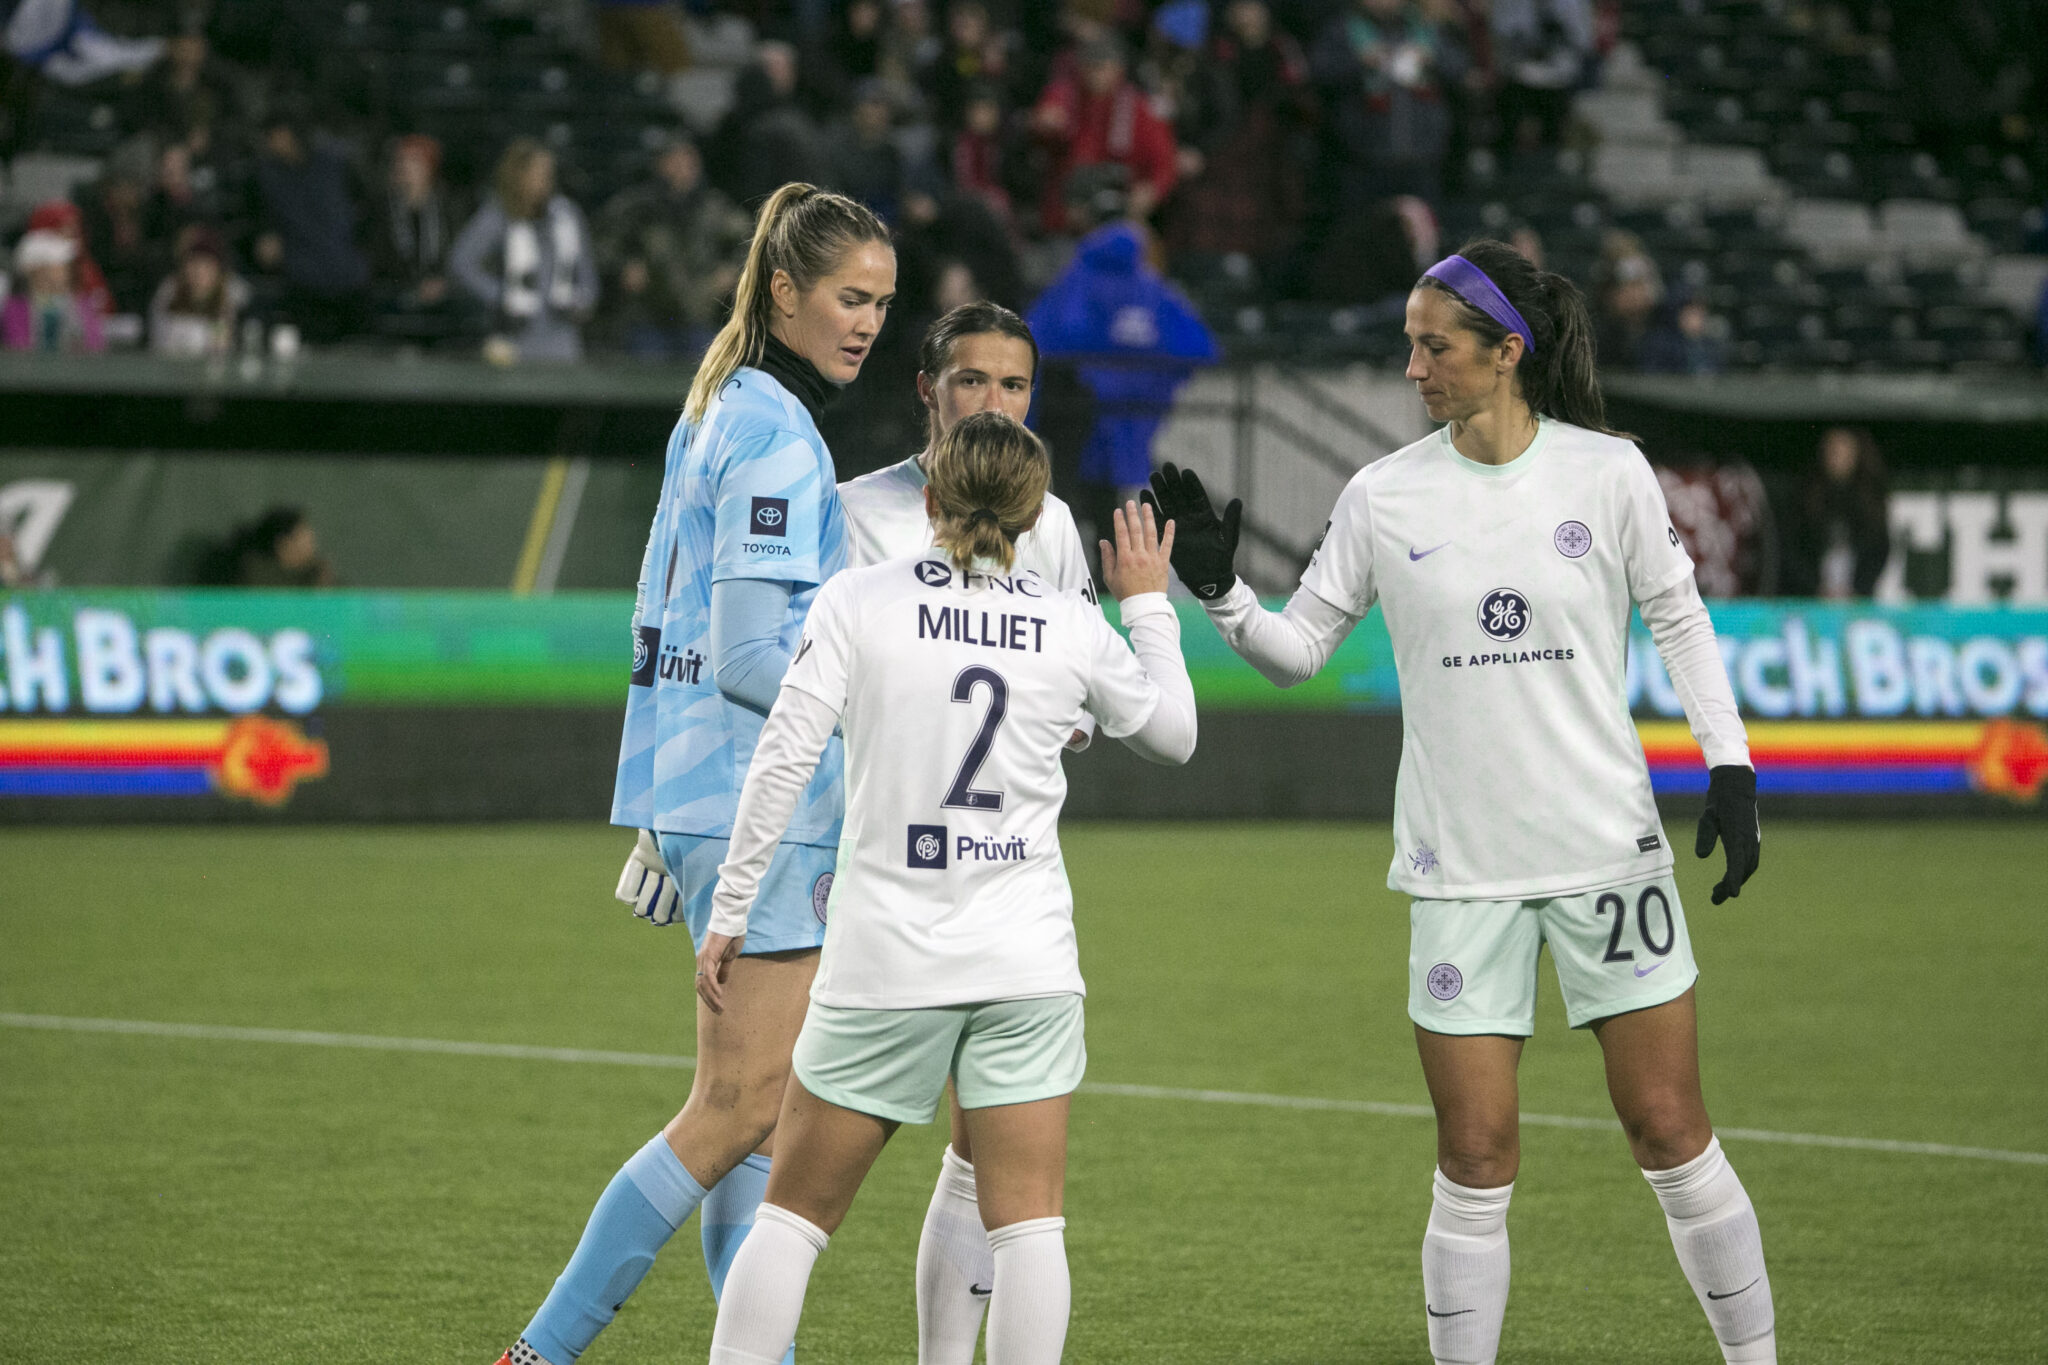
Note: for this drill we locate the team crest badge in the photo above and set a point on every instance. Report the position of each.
(1572, 539)
(1445, 981)
(821, 895)
(1423, 859)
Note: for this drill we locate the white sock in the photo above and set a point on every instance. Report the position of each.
(1027, 1316)
(764, 1290)
(1721, 1250)
(1465, 1271)
(953, 1263)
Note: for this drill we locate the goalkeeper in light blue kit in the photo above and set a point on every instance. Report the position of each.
(747, 529)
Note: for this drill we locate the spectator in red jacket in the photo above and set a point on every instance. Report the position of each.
(1098, 116)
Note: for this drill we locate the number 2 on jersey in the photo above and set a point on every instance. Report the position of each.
(962, 795)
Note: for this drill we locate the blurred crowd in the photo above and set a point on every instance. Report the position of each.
(1824, 534)
(1304, 146)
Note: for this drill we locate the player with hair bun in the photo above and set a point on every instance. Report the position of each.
(747, 528)
(957, 677)
(1506, 550)
(980, 357)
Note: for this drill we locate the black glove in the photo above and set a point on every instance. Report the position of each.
(1731, 814)
(1203, 543)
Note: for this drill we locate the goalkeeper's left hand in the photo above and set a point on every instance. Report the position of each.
(1731, 813)
(646, 884)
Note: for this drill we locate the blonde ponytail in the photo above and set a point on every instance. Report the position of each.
(801, 230)
(988, 480)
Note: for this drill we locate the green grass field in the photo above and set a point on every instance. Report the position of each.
(205, 1200)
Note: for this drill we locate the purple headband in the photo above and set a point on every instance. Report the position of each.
(1475, 288)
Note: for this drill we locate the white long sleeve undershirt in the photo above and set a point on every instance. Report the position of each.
(794, 735)
(1684, 636)
(1291, 646)
(1168, 734)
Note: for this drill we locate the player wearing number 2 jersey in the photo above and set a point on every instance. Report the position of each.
(1506, 551)
(980, 357)
(950, 948)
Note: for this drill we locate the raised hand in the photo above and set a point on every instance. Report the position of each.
(1137, 561)
(1206, 544)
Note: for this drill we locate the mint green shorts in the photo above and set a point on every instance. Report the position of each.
(893, 1064)
(1472, 964)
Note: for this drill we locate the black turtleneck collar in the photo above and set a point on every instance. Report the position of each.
(797, 375)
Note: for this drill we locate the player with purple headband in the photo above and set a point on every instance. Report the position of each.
(1506, 550)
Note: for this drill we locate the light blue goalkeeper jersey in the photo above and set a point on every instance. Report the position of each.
(746, 493)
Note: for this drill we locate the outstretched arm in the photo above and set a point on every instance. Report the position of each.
(1135, 569)
(1289, 646)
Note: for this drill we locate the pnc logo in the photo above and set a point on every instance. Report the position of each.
(933, 574)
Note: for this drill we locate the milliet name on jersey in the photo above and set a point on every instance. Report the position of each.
(958, 625)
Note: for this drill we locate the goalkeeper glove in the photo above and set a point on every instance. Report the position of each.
(646, 884)
(1731, 814)
(1204, 544)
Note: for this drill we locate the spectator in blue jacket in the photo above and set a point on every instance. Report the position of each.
(1135, 339)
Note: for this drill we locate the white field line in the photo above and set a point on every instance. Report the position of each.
(519, 1052)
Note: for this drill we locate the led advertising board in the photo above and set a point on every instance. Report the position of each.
(227, 694)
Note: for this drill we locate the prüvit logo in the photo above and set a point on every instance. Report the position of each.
(120, 670)
(1504, 614)
(1014, 849)
(1572, 539)
(933, 574)
(928, 846)
(771, 517)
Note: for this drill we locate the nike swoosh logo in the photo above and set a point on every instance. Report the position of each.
(1456, 1311)
(1413, 555)
(1642, 972)
(1733, 1292)
(981, 1292)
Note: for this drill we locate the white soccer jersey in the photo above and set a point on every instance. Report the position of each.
(1507, 592)
(955, 694)
(885, 519)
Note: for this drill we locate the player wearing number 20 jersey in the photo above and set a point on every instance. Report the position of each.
(1506, 590)
(1506, 551)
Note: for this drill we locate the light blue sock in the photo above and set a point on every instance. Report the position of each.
(650, 1197)
(728, 1217)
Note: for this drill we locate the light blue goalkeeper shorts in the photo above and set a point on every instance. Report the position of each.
(789, 912)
